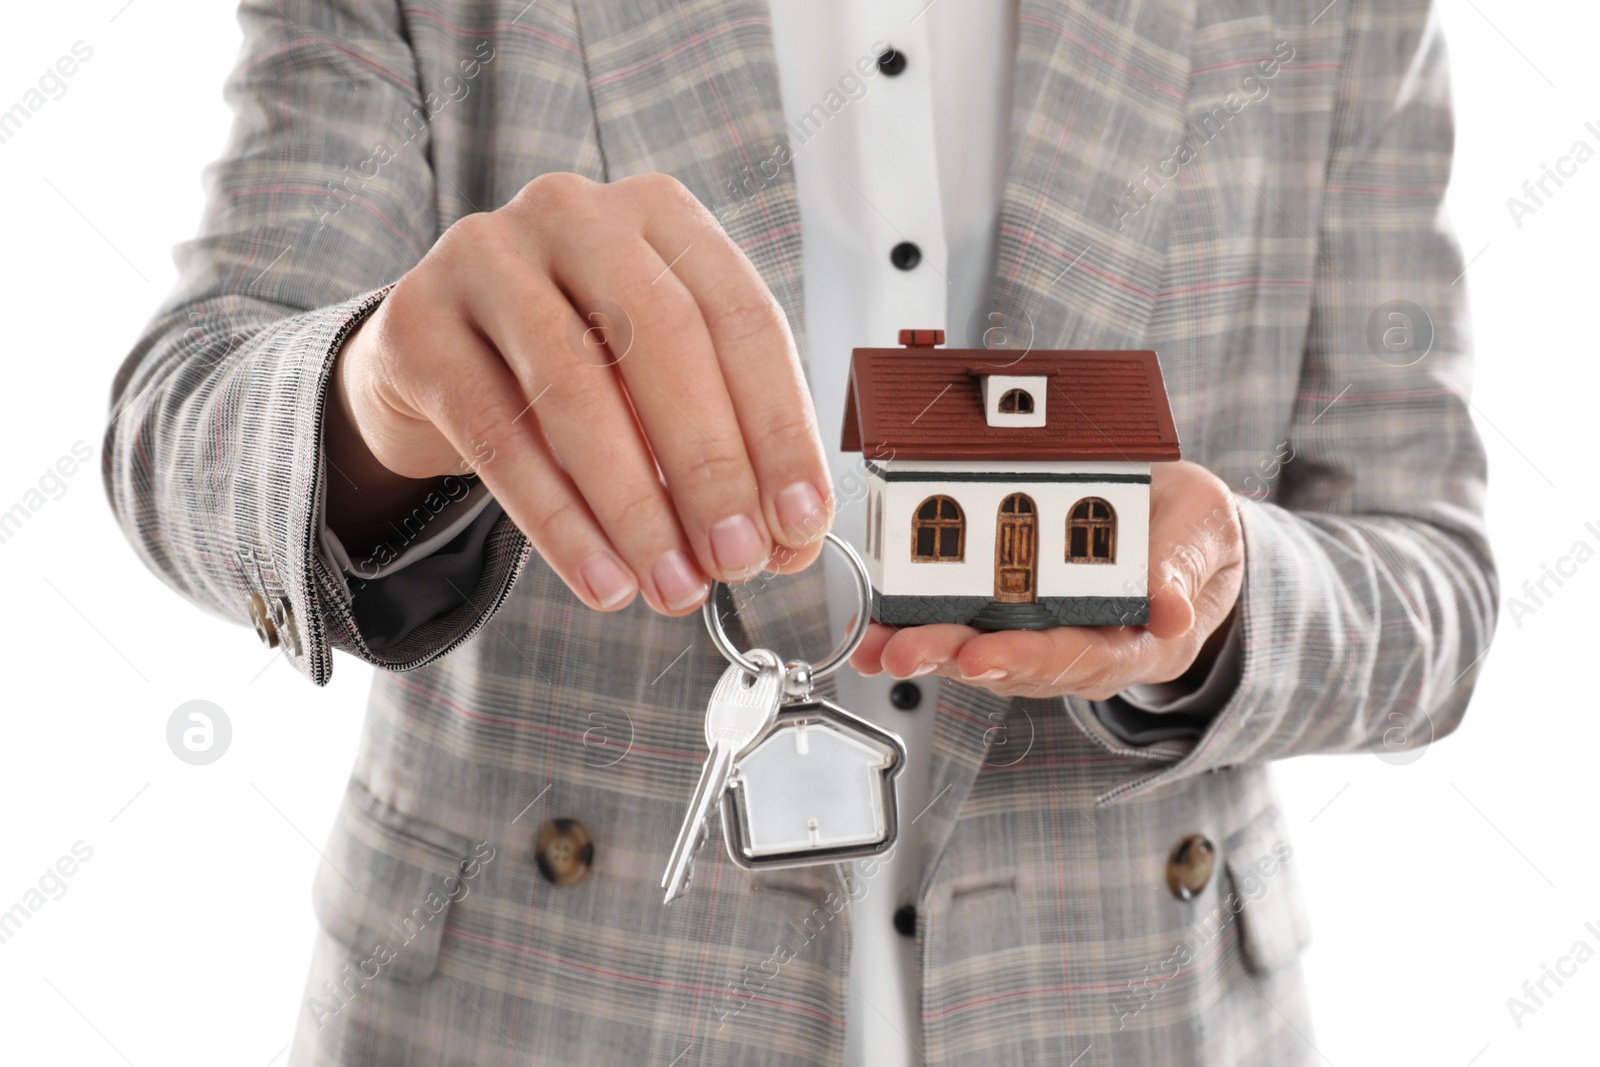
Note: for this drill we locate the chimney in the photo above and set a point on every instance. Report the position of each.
(921, 338)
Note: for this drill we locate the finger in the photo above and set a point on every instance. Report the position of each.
(760, 365)
(1065, 659)
(1172, 657)
(581, 409)
(1172, 611)
(1219, 597)
(675, 386)
(474, 399)
(787, 560)
(1186, 551)
(918, 650)
(867, 659)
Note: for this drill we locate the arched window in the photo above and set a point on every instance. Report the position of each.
(1091, 532)
(938, 531)
(1017, 504)
(1016, 402)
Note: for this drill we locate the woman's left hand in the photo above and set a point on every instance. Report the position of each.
(1195, 570)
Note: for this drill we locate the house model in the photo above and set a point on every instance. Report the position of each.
(1007, 491)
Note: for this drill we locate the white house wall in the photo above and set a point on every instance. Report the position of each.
(1125, 577)
(894, 572)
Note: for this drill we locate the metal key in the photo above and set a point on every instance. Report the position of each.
(741, 708)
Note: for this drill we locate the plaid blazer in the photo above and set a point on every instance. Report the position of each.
(1255, 229)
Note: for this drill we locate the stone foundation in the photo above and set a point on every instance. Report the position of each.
(1067, 610)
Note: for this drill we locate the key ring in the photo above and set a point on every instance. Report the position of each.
(863, 584)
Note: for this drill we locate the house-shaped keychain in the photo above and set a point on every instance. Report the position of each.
(1007, 491)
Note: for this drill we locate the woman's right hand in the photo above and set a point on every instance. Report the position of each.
(645, 448)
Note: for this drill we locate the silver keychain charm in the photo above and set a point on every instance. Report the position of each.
(798, 779)
(818, 784)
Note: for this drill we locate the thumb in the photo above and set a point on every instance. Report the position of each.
(1177, 580)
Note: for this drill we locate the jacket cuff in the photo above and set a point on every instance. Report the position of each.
(295, 593)
(276, 559)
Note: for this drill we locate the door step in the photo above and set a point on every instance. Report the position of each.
(1030, 615)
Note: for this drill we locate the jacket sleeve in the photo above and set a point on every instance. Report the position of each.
(1369, 593)
(213, 458)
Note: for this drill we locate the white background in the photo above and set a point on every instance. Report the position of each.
(1436, 889)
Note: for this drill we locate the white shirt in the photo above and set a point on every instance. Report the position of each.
(916, 157)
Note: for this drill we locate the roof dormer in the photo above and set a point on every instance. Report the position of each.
(1014, 399)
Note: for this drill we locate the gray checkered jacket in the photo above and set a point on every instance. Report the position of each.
(1256, 183)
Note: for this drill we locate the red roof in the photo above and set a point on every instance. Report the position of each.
(927, 403)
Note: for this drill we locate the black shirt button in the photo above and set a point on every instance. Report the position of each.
(905, 696)
(892, 62)
(905, 920)
(905, 255)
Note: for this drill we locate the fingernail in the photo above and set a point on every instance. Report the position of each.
(677, 581)
(800, 510)
(993, 674)
(782, 556)
(609, 583)
(737, 547)
(926, 668)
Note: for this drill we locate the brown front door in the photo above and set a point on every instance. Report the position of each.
(1016, 553)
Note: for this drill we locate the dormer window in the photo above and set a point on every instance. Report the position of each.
(1016, 402)
(1014, 399)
